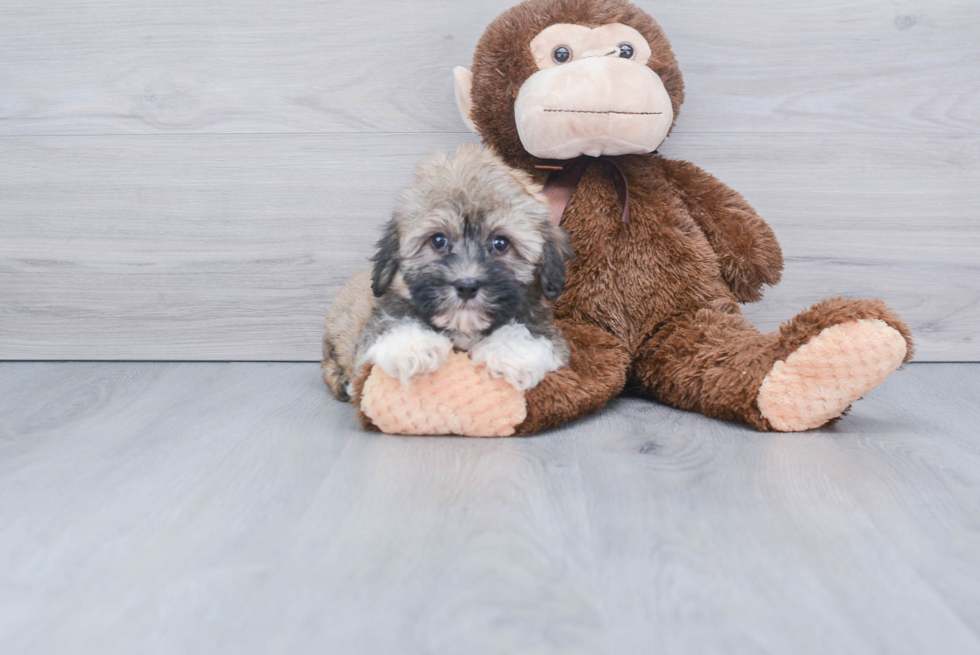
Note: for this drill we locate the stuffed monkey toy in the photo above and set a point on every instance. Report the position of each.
(579, 94)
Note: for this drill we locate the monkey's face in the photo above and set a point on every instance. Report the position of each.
(556, 79)
(593, 94)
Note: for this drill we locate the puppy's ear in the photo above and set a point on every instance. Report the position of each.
(386, 260)
(557, 249)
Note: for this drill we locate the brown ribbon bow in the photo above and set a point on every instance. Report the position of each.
(564, 179)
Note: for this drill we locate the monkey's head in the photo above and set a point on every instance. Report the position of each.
(561, 78)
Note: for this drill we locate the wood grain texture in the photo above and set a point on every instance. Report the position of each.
(144, 67)
(231, 247)
(209, 248)
(194, 180)
(202, 508)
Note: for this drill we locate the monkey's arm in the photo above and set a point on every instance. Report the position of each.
(746, 246)
(461, 399)
(596, 373)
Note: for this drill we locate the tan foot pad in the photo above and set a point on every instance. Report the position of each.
(820, 380)
(459, 398)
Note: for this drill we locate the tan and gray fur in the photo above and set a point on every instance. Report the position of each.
(350, 312)
(470, 260)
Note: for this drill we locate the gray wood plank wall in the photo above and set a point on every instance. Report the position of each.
(194, 180)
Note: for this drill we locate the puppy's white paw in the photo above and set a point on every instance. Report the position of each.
(407, 350)
(514, 354)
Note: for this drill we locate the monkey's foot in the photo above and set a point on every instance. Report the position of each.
(821, 379)
(459, 398)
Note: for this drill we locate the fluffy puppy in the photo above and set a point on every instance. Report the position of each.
(469, 260)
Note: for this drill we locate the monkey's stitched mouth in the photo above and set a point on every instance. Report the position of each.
(610, 111)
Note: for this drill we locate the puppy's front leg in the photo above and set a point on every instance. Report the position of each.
(406, 349)
(511, 352)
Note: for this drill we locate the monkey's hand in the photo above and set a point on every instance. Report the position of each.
(747, 249)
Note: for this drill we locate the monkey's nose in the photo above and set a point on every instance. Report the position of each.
(466, 288)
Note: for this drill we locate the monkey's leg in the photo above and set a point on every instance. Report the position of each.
(801, 377)
(595, 374)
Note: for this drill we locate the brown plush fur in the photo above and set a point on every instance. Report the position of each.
(652, 304)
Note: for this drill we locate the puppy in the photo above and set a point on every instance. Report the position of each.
(469, 261)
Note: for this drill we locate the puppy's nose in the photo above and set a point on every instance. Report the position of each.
(466, 288)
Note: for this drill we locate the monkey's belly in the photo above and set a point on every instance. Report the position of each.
(630, 283)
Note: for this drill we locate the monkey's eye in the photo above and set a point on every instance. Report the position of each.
(438, 241)
(561, 54)
(625, 51)
(499, 244)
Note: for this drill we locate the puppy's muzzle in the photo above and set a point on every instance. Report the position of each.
(467, 288)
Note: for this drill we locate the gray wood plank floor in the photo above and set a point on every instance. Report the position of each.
(235, 508)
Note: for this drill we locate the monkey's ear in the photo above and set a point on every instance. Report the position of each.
(385, 260)
(464, 96)
(557, 249)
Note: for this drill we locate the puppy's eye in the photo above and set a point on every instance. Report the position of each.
(438, 241)
(499, 244)
(561, 54)
(625, 51)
